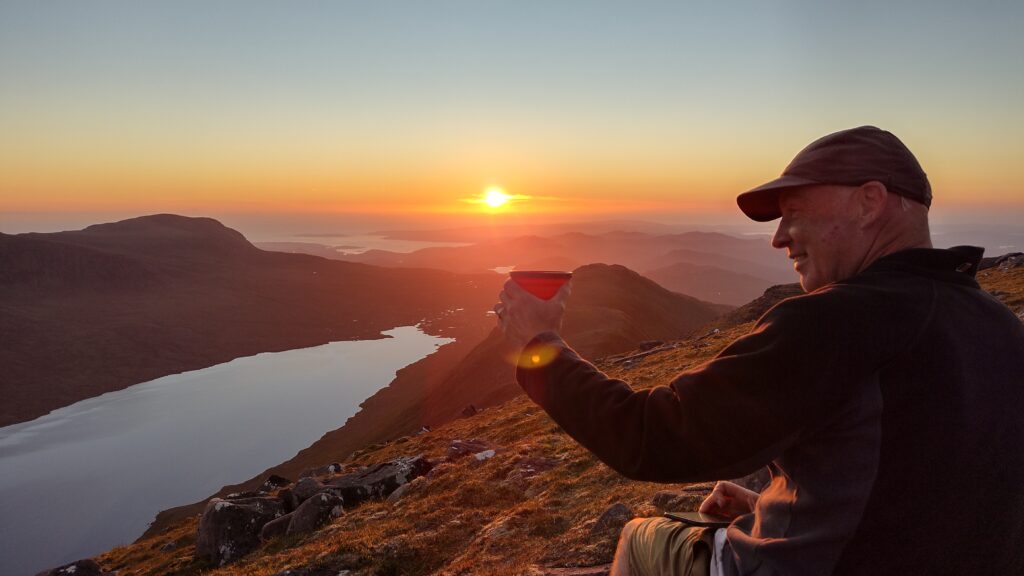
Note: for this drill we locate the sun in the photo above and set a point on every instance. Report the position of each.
(496, 197)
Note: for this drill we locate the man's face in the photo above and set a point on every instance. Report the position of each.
(819, 233)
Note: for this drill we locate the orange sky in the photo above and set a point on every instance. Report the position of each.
(180, 108)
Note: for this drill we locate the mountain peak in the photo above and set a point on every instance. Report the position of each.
(168, 233)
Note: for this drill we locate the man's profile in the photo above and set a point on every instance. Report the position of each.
(886, 402)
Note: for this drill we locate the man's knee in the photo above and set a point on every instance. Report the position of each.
(629, 528)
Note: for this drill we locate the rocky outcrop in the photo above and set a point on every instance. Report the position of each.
(378, 481)
(86, 567)
(613, 519)
(230, 529)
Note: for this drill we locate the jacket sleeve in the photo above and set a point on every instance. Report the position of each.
(722, 419)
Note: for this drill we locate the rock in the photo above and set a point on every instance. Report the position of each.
(289, 499)
(378, 481)
(525, 467)
(398, 493)
(470, 410)
(650, 345)
(273, 482)
(242, 495)
(276, 527)
(84, 567)
(327, 470)
(1014, 258)
(230, 529)
(172, 545)
(423, 430)
(460, 448)
(306, 488)
(485, 455)
(314, 513)
(673, 501)
(612, 519)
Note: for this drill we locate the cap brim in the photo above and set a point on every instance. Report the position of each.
(761, 204)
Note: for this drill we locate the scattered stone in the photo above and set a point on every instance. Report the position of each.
(306, 488)
(423, 430)
(172, 545)
(485, 455)
(470, 410)
(84, 567)
(612, 519)
(326, 470)
(314, 513)
(378, 481)
(460, 448)
(677, 501)
(229, 529)
(242, 495)
(274, 482)
(650, 344)
(1013, 259)
(525, 467)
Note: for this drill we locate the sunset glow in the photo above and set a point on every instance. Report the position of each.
(450, 112)
(495, 197)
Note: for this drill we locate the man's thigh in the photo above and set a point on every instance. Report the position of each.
(664, 547)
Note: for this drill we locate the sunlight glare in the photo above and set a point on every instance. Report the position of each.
(495, 197)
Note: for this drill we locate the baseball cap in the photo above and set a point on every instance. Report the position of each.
(848, 158)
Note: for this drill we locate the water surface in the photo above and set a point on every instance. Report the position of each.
(87, 477)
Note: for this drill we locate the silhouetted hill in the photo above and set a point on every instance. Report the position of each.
(612, 310)
(95, 310)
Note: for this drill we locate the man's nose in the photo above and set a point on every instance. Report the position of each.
(781, 238)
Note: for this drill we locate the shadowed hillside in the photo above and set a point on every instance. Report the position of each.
(612, 310)
(100, 309)
(524, 499)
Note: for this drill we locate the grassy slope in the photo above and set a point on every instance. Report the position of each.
(472, 518)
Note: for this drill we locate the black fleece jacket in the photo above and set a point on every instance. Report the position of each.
(889, 408)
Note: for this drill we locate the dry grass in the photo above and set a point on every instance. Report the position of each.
(473, 517)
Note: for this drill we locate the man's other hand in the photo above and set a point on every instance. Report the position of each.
(521, 315)
(729, 500)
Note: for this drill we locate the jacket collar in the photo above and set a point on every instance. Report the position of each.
(957, 264)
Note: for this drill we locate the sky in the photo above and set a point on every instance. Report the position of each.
(406, 110)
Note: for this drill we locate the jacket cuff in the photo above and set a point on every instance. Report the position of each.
(534, 361)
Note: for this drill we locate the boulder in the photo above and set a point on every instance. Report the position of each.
(85, 567)
(314, 513)
(325, 470)
(306, 488)
(460, 448)
(612, 519)
(470, 410)
(273, 482)
(378, 481)
(276, 527)
(230, 529)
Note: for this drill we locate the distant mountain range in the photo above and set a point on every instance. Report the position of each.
(707, 265)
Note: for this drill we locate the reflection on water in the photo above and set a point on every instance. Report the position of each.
(93, 475)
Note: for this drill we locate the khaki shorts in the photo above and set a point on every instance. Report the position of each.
(664, 547)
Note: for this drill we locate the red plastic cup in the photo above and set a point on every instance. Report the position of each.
(542, 284)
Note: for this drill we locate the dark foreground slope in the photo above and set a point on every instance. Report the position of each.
(540, 505)
(100, 309)
(612, 309)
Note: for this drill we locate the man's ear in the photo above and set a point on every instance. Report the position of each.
(874, 197)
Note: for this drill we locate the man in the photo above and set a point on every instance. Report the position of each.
(887, 402)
